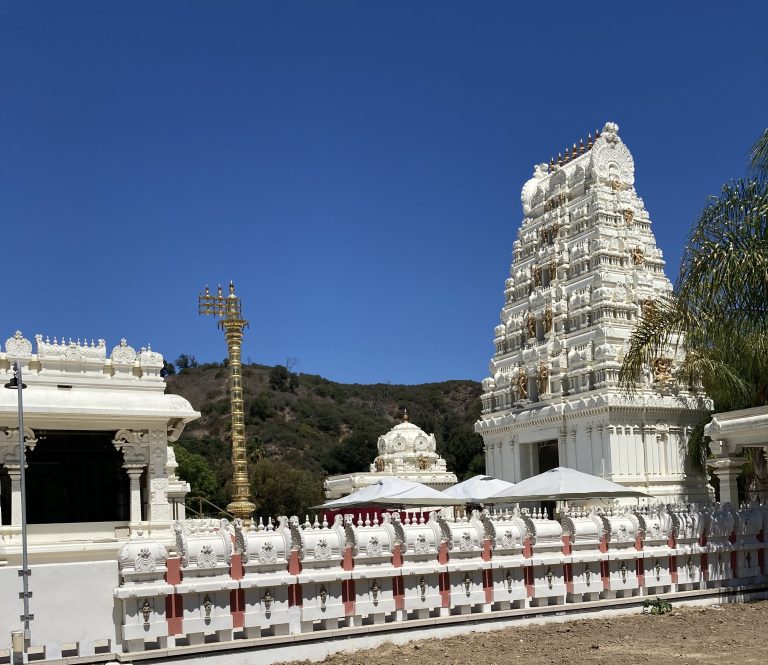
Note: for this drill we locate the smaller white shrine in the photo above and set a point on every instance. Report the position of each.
(407, 452)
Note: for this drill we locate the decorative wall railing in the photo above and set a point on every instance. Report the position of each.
(281, 578)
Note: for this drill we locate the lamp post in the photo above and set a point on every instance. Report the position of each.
(229, 310)
(17, 384)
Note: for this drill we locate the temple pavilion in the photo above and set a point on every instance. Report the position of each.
(99, 467)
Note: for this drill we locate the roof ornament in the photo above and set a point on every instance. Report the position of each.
(405, 415)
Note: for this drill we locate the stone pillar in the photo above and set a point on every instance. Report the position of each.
(727, 469)
(762, 484)
(14, 471)
(134, 472)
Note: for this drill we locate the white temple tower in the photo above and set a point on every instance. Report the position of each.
(585, 267)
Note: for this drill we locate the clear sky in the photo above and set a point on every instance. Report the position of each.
(355, 167)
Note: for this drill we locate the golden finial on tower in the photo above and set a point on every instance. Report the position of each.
(566, 156)
(597, 134)
(231, 288)
(574, 151)
(551, 163)
(589, 141)
(405, 415)
(559, 159)
(581, 146)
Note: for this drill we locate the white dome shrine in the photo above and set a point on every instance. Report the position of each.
(407, 452)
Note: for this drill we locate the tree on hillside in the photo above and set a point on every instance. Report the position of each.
(185, 361)
(718, 312)
(195, 469)
(280, 488)
(281, 379)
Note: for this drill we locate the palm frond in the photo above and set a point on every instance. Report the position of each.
(759, 156)
(719, 311)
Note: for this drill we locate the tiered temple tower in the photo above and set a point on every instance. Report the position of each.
(585, 268)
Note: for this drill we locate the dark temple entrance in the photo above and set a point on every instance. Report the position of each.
(76, 477)
(547, 455)
(548, 458)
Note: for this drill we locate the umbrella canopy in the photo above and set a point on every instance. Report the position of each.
(477, 489)
(563, 483)
(394, 492)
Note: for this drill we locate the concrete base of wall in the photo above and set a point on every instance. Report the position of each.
(316, 647)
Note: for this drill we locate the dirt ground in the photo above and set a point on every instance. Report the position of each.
(721, 634)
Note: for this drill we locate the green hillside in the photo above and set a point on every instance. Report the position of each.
(301, 428)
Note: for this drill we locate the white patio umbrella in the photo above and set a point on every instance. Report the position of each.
(477, 489)
(393, 492)
(560, 484)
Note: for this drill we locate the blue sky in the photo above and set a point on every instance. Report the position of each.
(354, 167)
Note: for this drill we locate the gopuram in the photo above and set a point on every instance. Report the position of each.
(406, 452)
(585, 268)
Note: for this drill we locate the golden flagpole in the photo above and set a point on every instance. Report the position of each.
(229, 310)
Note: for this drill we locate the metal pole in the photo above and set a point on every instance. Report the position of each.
(24, 572)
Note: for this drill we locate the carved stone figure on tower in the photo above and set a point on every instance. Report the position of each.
(530, 324)
(543, 379)
(662, 369)
(522, 384)
(537, 275)
(548, 319)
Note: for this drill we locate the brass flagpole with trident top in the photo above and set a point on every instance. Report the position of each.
(229, 310)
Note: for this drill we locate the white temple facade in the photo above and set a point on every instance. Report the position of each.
(585, 268)
(407, 452)
(99, 467)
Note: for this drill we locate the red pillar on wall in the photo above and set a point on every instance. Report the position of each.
(397, 556)
(398, 591)
(444, 584)
(348, 596)
(237, 607)
(488, 584)
(295, 598)
(174, 611)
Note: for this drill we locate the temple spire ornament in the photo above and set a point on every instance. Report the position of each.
(229, 310)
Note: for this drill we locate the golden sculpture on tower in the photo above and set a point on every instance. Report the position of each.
(229, 310)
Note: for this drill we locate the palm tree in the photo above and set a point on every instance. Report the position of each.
(718, 312)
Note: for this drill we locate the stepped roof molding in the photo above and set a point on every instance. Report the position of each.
(73, 381)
